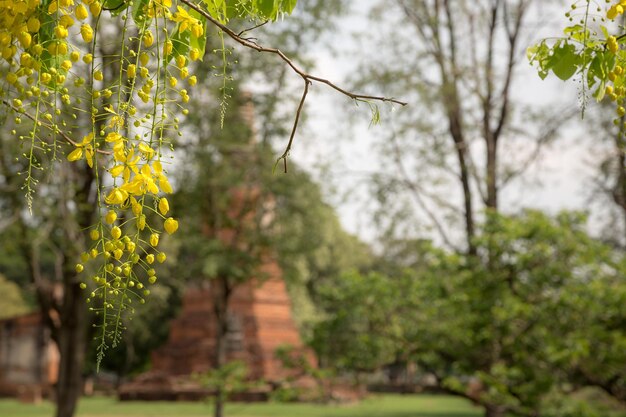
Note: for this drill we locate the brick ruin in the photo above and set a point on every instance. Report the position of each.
(259, 321)
(29, 358)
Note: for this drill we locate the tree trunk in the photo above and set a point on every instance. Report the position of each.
(495, 411)
(221, 298)
(492, 174)
(70, 338)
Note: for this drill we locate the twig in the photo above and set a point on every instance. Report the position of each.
(253, 27)
(308, 78)
(295, 125)
(58, 131)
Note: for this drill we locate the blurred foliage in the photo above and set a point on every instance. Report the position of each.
(12, 302)
(543, 311)
(231, 378)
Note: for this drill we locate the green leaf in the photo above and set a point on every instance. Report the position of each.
(138, 12)
(267, 8)
(599, 93)
(287, 6)
(115, 6)
(572, 29)
(605, 31)
(564, 61)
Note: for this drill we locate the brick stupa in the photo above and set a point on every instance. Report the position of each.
(260, 321)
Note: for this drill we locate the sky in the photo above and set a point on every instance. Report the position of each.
(337, 141)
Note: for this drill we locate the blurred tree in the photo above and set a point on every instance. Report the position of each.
(534, 322)
(12, 302)
(48, 243)
(50, 237)
(459, 62)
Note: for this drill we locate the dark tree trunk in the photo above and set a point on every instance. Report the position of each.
(495, 411)
(70, 338)
(222, 295)
(492, 174)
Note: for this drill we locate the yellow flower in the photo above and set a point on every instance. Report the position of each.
(116, 232)
(144, 58)
(167, 47)
(161, 257)
(75, 155)
(95, 8)
(33, 25)
(148, 39)
(164, 206)
(136, 207)
(164, 184)
(53, 7)
(81, 12)
(110, 217)
(85, 147)
(66, 21)
(116, 196)
(131, 71)
(170, 225)
(116, 171)
(154, 239)
(146, 150)
(86, 32)
(197, 30)
(61, 32)
(149, 259)
(94, 234)
(141, 222)
(612, 44)
(187, 21)
(142, 183)
(194, 54)
(24, 38)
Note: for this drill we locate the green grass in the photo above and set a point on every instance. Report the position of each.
(374, 406)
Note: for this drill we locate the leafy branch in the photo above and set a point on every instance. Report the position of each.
(306, 77)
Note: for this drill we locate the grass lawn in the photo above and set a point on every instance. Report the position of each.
(374, 406)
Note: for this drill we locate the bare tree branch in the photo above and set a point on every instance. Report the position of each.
(416, 192)
(308, 78)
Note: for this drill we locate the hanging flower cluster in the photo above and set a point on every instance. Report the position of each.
(117, 112)
(592, 48)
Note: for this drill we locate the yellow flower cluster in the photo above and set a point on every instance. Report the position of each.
(616, 10)
(615, 88)
(45, 45)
